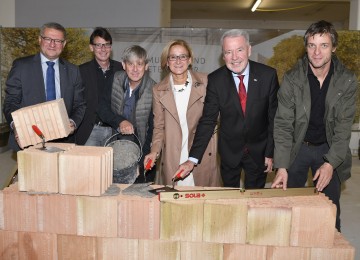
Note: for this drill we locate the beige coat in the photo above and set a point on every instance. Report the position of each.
(167, 132)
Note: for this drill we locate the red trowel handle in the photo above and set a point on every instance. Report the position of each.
(148, 165)
(38, 132)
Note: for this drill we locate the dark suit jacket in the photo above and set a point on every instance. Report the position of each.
(89, 74)
(254, 131)
(25, 87)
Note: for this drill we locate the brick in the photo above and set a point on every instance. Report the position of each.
(9, 245)
(244, 251)
(159, 250)
(38, 170)
(340, 250)
(182, 220)
(25, 117)
(61, 117)
(138, 217)
(57, 214)
(118, 248)
(37, 245)
(92, 178)
(313, 221)
(225, 221)
(76, 247)
(1, 210)
(19, 210)
(201, 250)
(283, 253)
(269, 221)
(97, 216)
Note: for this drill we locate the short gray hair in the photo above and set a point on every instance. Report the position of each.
(235, 33)
(53, 25)
(135, 51)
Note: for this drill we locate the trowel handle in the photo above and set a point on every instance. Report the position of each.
(38, 132)
(148, 165)
(178, 176)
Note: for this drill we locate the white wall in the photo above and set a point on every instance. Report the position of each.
(92, 13)
(7, 13)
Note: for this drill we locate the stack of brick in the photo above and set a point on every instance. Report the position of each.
(38, 169)
(75, 170)
(85, 170)
(50, 117)
(55, 226)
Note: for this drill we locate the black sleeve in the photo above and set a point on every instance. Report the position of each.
(104, 109)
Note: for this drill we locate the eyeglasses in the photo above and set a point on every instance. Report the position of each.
(181, 57)
(49, 40)
(100, 45)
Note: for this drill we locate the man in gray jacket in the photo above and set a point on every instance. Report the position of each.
(313, 121)
(127, 105)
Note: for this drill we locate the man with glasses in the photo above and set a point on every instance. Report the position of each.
(43, 77)
(97, 75)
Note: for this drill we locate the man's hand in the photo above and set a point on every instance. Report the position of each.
(184, 170)
(323, 176)
(126, 128)
(281, 179)
(268, 164)
(72, 127)
(151, 156)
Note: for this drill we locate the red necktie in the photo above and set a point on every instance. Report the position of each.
(242, 93)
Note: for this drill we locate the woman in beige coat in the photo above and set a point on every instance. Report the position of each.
(177, 105)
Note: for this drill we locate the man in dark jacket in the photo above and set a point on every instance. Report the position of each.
(97, 75)
(243, 93)
(313, 122)
(29, 83)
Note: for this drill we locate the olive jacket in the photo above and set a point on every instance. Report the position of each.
(293, 114)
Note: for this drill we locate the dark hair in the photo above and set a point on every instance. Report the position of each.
(53, 25)
(102, 33)
(322, 27)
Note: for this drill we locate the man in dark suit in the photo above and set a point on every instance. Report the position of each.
(97, 75)
(26, 84)
(246, 118)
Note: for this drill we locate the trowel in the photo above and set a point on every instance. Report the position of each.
(50, 149)
(168, 188)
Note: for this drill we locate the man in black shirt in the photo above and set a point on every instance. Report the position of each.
(97, 75)
(316, 109)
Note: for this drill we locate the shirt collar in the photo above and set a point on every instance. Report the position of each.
(44, 59)
(331, 70)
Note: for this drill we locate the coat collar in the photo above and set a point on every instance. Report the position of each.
(334, 92)
(198, 90)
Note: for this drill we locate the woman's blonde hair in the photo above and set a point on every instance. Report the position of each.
(166, 50)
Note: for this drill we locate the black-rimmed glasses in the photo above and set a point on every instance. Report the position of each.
(181, 57)
(100, 45)
(49, 40)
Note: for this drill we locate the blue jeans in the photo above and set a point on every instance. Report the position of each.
(99, 135)
(312, 157)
